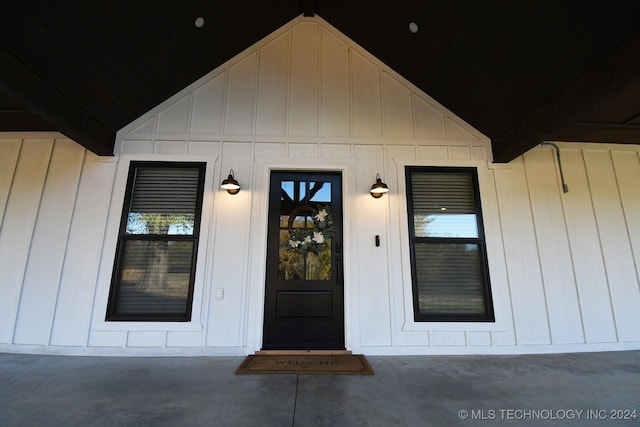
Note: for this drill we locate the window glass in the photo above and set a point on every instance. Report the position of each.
(446, 225)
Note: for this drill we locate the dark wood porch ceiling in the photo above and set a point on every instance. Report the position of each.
(521, 72)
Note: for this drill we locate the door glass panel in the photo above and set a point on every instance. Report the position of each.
(321, 192)
(306, 228)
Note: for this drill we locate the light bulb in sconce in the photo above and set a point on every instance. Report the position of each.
(230, 184)
(378, 188)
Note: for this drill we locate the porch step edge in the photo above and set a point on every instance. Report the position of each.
(302, 352)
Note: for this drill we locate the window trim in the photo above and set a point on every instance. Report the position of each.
(480, 241)
(111, 314)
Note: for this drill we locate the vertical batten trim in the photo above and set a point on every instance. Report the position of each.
(350, 68)
(256, 90)
(383, 102)
(414, 125)
(287, 97)
(319, 84)
(225, 95)
(320, 121)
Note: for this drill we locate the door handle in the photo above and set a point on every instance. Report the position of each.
(339, 269)
(339, 272)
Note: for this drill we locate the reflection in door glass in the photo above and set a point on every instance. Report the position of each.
(306, 227)
(321, 192)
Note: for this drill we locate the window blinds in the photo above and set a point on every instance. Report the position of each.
(436, 193)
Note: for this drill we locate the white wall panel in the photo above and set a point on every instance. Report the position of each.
(175, 119)
(48, 245)
(241, 93)
(372, 285)
(270, 149)
(459, 153)
(148, 126)
(448, 338)
(107, 339)
(614, 238)
(303, 111)
(145, 339)
(170, 147)
(527, 293)
(137, 147)
(588, 264)
(429, 122)
(399, 277)
(335, 101)
(231, 234)
(184, 339)
(456, 130)
(432, 152)
(204, 148)
(478, 338)
(504, 335)
(303, 150)
(365, 98)
(554, 252)
(335, 151)
(208, 112)
(17, 228)
(479, 153)
(398, 120)
(78, 281)
(273, 88)
(627, 167)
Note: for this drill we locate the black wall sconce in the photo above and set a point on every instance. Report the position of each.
(379, 188)
(230, 184)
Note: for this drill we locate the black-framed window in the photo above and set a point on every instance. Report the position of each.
(154, 269)
(449, 270)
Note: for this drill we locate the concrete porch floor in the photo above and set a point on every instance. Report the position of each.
(537, 390)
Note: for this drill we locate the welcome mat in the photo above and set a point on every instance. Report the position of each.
(317, 364)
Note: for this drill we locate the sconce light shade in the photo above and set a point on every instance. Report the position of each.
(379, 188)
(230, 184)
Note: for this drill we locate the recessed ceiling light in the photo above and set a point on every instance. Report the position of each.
(199, 22)
(413, 27)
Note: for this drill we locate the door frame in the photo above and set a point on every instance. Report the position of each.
(257, 259)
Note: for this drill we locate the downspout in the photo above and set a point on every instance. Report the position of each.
(565, 187)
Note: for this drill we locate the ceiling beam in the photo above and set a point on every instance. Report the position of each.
(600, 132)
(22, 121)
(42, 98)
(616, 73)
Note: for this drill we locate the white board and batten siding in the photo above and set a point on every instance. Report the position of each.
(564, 266)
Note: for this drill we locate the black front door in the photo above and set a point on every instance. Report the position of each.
(304, 298)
